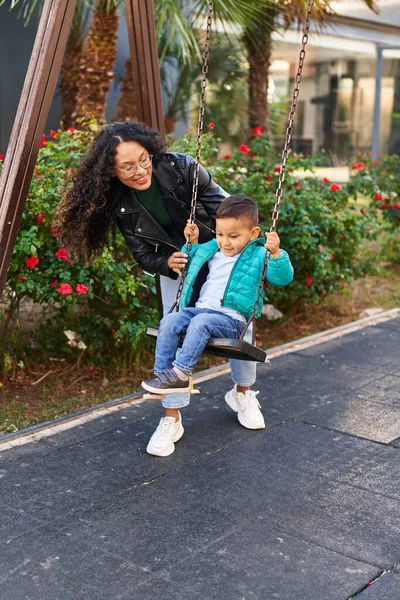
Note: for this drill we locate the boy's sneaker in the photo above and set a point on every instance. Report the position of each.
(162, 441)
(167, 381)
(247, 407)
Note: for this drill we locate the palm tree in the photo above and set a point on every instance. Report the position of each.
(97, 61)
(70, 69)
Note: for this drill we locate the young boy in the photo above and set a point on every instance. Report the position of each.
(217, 299)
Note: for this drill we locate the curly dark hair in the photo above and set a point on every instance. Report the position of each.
(85, 216)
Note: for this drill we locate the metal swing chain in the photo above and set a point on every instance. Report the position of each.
(200, 126)
(285, 154)
(292, 113)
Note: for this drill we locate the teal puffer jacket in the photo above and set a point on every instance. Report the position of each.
(241, 290)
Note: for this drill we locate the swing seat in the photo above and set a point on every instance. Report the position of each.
(226, 348)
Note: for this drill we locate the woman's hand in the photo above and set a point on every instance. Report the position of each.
(177, 262)
(191, 231)
(273, 244)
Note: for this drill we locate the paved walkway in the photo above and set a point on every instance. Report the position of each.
(308, 509)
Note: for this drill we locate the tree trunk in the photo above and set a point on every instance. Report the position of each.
(69, 80)
(170, 124)
(97, 64)
(126, 107)
(258, 43)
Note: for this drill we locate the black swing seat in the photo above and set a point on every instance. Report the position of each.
(226, 348)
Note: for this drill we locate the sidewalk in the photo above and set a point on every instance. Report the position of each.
(308, 509)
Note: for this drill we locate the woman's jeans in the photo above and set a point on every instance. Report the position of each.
(243, 372)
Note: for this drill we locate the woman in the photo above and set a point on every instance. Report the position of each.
(128, 179)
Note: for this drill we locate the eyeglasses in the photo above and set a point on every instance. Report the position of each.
(131, 170)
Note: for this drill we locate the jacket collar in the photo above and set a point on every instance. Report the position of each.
(167, 177)
(166, 174)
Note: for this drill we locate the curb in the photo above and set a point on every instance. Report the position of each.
(37, 432)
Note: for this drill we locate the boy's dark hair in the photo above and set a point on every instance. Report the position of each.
(238, 206)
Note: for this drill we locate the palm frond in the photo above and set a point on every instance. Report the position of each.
(174, 31)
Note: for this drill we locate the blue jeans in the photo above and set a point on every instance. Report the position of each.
(243, 372)
(199, 325)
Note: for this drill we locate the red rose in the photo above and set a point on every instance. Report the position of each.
(332, 257)
(335, 187)
(308, 281)
(21, 278)
(252, 156)
(359, 165)
(298, 185)
(113, 331)
(228, 156)
(53, 231)
(326, 180)
(40, 218)
(396, 206)
(277, 169)
(32, 262)
(53, 134)
(62, 253)
(243, 149)
(65, 289)
(81, 289)
(383, 206)
(378, 197)
(257, 131)
(43, 141)
(211, 125)
(55, 282)
(268, 178)
(2, 156)
(71, 129)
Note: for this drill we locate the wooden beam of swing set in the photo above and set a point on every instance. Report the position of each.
(37, 95)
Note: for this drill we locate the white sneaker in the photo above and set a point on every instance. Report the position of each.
(162, 441)
(247, 407)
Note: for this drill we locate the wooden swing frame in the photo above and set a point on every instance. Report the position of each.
(37, 94)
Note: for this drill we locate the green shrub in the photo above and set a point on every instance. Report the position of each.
(106, 305)
(319, 225)
(379, 180)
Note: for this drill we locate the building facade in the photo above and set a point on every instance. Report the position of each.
(350, 93)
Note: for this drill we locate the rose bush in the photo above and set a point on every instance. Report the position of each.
(379, 181)
(107, 304)
(319, 225)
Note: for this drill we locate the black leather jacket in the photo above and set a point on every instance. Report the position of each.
(151, 244)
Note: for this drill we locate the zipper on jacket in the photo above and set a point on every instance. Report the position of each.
(148, 237)
(231, 275)
(201, 223)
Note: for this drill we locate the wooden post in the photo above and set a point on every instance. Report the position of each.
(146, 72)
(30, 120)
(37, 94)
